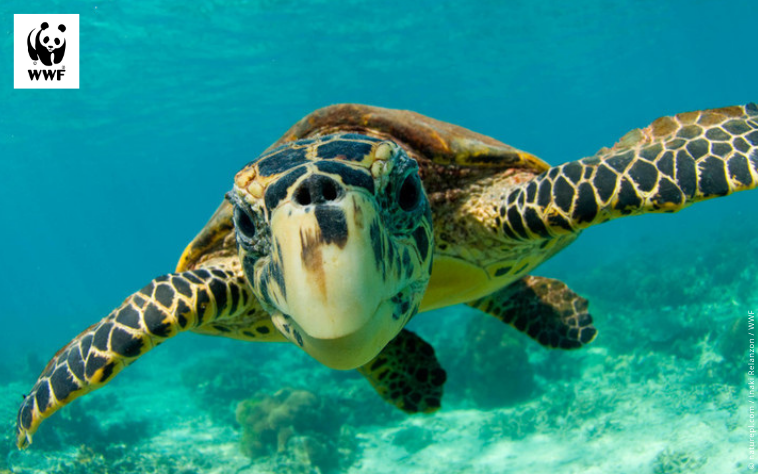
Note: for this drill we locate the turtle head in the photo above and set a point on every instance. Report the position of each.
(335, 237)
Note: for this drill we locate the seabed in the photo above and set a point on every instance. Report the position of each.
(662, 390)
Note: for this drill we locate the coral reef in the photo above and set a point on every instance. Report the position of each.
(298, 428)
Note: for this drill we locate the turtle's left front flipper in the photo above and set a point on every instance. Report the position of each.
(667, 166)
(406, 373)
(165, 307)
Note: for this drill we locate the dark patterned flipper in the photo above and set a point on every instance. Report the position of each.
(168, 305)
(407, 374)
(543, 308)
(673, 163)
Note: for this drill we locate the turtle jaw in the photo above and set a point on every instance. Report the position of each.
(344, 351)
(355, 338)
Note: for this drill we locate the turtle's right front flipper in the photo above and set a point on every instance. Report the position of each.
(166, 306)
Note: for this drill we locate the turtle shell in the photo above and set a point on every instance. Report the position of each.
(441, 142)
(448, 156)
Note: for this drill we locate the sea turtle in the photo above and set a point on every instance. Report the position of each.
(360, 217)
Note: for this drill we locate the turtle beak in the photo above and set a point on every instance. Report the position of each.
(335, 300)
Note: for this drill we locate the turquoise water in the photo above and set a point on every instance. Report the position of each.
(102, 187)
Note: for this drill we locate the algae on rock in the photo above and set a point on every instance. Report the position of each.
(297, 427)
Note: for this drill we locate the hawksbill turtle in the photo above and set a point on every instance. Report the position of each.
(360, 217)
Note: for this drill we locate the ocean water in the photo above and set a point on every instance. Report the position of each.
(102, 187)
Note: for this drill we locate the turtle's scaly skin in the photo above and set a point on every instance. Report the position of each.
(497, 213)
(407, 374)
(545, 309)
(675, 162)
(166, 306)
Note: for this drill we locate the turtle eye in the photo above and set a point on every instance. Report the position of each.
(410, 193)
(243, 223)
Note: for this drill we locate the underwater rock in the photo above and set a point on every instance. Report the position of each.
(498, 372)
(269, 422)
(298, 427)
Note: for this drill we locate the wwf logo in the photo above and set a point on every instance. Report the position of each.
(51, 42)
(46, 44)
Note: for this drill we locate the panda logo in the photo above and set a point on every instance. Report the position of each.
(47, 45)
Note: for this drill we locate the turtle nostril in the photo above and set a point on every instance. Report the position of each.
(329, 191)
(317, 189)
(303, 196)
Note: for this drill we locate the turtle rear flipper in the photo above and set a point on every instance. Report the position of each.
(166, 306)
(673, 163)
(544, 309)
(406, 373)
